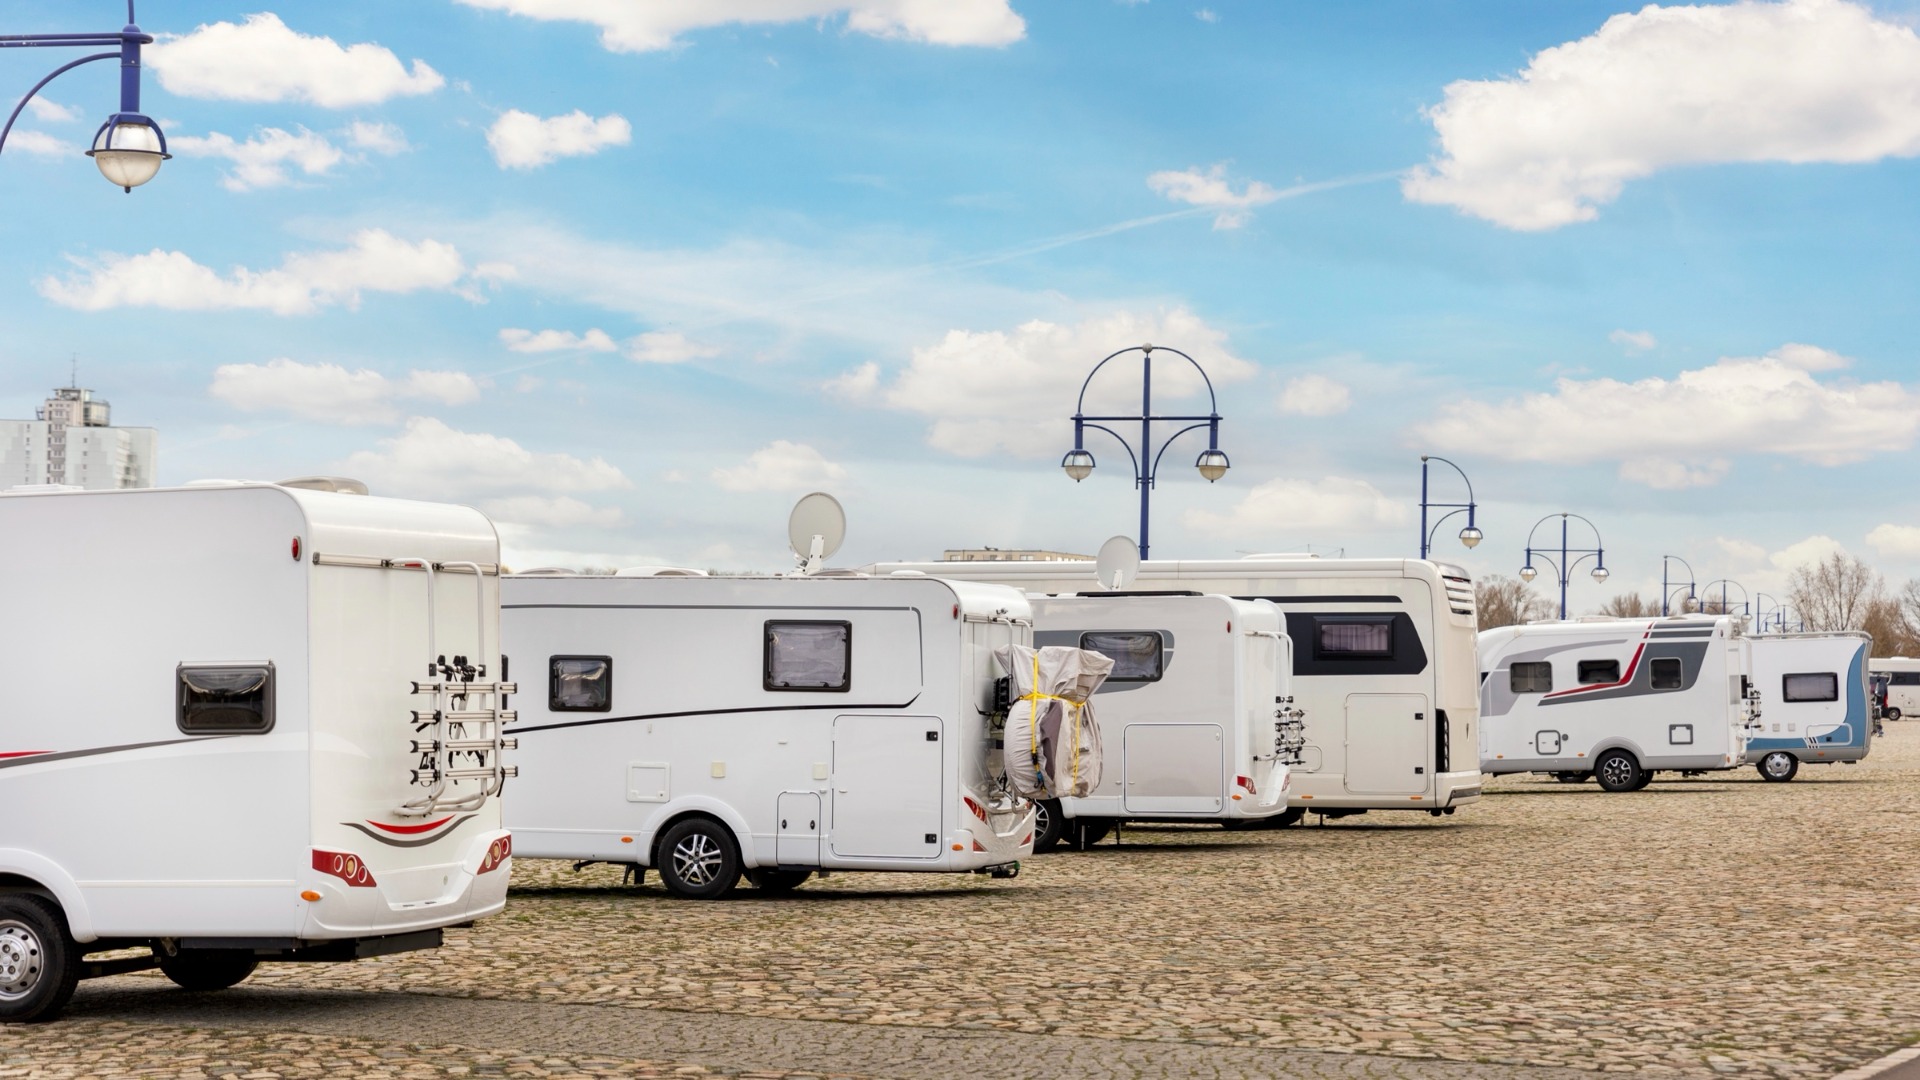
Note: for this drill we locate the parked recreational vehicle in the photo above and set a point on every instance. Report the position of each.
(242, 722)
(1383, 666)
(1196, 718)
(1617, 699)
(776, 726)
(1815, 688)
(1903, 684)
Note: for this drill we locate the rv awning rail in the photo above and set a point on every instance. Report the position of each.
(376, 562)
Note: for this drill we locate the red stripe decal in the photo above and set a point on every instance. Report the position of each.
(1632, 666)
(23, 753)
(409, 830)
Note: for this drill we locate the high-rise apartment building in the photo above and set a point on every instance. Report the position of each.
(72, 441)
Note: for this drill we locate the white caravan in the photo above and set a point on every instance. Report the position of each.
(1196, 719)
(1903, 684)
(1383, 666)
(1615, 699)
(776, 726)
(1815, 688)
(242, 722)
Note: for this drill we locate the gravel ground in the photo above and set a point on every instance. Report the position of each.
(1713, 925)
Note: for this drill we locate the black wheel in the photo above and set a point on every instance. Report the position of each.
(1049, 825)
(1779, 767)
(1646, 778)
(207, 969)
(1090, 831)
(1571, 777)
(1291, 816)
(1617, 771)
(1891, 714)
(777, 881)
(39, 961)
(698, 860)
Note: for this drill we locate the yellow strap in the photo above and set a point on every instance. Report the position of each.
(1033, 725)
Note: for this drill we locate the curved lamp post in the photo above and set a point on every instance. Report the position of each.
(1746, 601)
(1471, 535)
(1690, 604)
(1564, 568)
(1760, 610)
(1212, 463)
(129, 147)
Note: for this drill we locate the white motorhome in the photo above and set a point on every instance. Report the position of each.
(1615, 699)
(1383, 666)
(776, 726)
(1815, 688)
(242, 722)
(1903, 684)
(1196, 718)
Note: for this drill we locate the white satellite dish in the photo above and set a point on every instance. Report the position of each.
(1118, 564)
(816, 529)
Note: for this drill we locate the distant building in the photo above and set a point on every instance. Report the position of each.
(1013, 555)
(72, 441)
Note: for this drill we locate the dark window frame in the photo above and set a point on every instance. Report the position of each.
(1582, 668)
(766, 658)
(1159, 654)
(1513, 673)
(554, 704)
(1786, 681)
(180, 703)
(1655, 680)
(1337, 656)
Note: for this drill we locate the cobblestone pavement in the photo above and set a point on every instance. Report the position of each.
(1715, 925)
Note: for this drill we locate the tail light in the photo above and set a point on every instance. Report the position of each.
(497, 852)
(1027, 839)
(345, 866)
(978, 846)
(1246, 782)
(978, 810)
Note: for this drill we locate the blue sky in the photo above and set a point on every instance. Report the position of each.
(874, 248)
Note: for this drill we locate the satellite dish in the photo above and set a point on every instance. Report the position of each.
(816, 529)
(1118, 564)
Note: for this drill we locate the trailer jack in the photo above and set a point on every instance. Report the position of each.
(1009, 870)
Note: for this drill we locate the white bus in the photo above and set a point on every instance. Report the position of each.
(1903, 684)
(242, 722)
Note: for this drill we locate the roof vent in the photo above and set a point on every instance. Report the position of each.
(658, 571)
(340, 484)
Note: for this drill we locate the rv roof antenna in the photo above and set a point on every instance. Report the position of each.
(815, 529)
(1118, 564)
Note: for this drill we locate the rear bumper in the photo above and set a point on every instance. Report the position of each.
(1001, 839)
(463, 894)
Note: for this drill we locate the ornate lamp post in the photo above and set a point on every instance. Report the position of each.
(1212, 463)
(129, 147)
(1690, 604)
(1746, 602)
(1471, 535)
(1564, 568)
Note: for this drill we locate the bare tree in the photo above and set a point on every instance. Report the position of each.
(1629, 606)
(1835, 593)
(1505, 601)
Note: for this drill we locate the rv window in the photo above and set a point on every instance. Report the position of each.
(1136, 654)
(1666, 673)
(1812, 686)
(1599, 671)
(1904, 678)
(1366, 637)
(224, 699)
(580, 684)
(1530, 677)
(809, 656)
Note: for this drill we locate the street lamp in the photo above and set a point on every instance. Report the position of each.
(1564, 568)
(1666, 591)
(129, 147)
(1212, 463)
(1746, 601)
(1471, 535)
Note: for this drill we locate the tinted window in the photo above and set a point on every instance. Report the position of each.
(1666, 673)
(1530, 677)
(1599, 671)
(580, 684)
(1906, 678)
(1365, 637)
(1810, 686)
(809, 656)
(223, 699)
(1136, 654)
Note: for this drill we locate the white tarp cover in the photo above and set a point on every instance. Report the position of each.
(1052, 742)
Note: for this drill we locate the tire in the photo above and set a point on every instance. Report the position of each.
(1617, 771)
(777, 881)
(207, 969)
(1891, 714)
(1646, 780)
(39, 961)
(1049, 825)
(1778, 767)
(699, 860)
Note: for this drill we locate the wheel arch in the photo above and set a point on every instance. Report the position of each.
(712, 810)
(25, 872)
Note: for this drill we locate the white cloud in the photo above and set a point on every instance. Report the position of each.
(304, 282)
(542, 341)
(1895, 541)
(1315, 395)
(1744, 553)
(857, 384)
(1287, 507)
(379, 137)
(1805, 553)
(521, 140)
(636, 27)
(781, 466)
(667, 347)
(1634, 341)
(433, 460)
(263, 60)
(1211, 189)
(540, 511)
(1013, 391)
(1678, 432)
(1206, 15)
(331, 394)
(263, 160)
(40, 144)
(51, 112)
(1799, 81)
